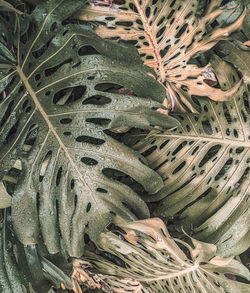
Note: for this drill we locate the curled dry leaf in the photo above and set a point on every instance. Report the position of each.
(155, 260)
(205, 163)
(82, 276)
(167, 35)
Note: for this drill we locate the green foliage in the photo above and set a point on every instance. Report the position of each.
(60, 88)
(66, 98)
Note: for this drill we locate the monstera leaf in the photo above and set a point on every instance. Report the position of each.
(167, 35)
(59, 93)
(25, 269)
(10, 279)
(205, 162)
(150, 256)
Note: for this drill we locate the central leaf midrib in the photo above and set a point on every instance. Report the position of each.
(49, 124)
(153, 42)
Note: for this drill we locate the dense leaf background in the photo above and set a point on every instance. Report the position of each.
(72, 104)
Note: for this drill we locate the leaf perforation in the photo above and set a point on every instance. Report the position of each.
(50, 126)
(39, 33)
(45, 193)
(171, 18)
(204, 273)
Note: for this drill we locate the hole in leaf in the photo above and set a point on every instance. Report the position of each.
(224, 169)
(11, 133)
(239, 150)
(44, 165)
(179, 167)
(25, 103)
(53, 26)
(65, 120)
(28, 109)
(161, 164)
(181, 146)
(184, 184)
(149, 151)
(89, 161)
(88, 207)
(86, 238)
(107, 87)
(58, 176)
(7, 113)
(125, 179)
(97, 100)
(87, 50)
(69, 95)
(210, 191)
(210, 154)
(125, 23)
(52, 70)
(227, 114)
(206, 126)
(102, 190)
(30, 137)
(99, 121)
(38, 53)
(181, 31)
(89, 139)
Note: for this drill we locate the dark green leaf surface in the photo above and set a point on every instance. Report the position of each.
(23, 269)
(59, 91)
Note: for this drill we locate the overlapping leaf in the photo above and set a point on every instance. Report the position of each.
(205, 162)
(59, 93)
(149, 255)
(83, 275)
(24, 269)
(167, 34)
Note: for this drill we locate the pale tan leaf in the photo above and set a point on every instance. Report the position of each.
(167, 35)
(83, 276)
(205, 163)
(159, 265)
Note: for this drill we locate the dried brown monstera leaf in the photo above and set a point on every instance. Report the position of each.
(205, 163)
(152, 257)
(83, 276)
(167, 34)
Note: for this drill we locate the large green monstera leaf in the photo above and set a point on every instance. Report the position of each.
(205, 162)
(61, 87)
(150, 256)
(167, 35)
